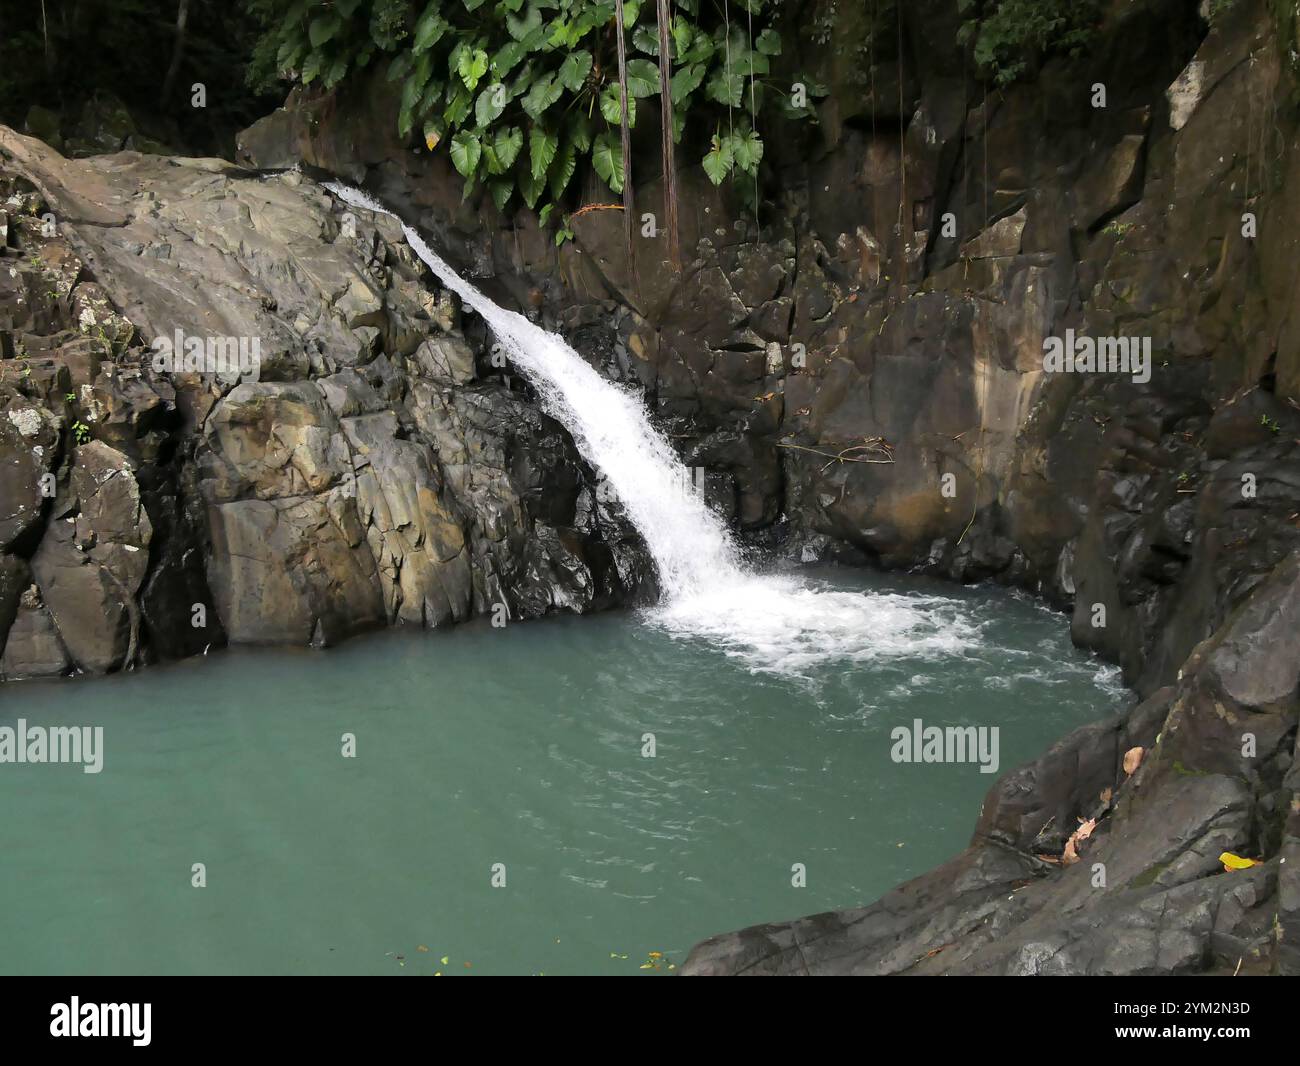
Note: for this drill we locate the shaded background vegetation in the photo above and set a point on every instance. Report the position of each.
(67, 56)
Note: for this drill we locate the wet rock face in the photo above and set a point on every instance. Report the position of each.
(1161, 512)
(352, 463)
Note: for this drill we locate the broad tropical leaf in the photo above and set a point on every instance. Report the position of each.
(719, 161)
(465, 152)
(607, 158)
(542, 147)
(574, 70)
(642, 79)
(611, 106)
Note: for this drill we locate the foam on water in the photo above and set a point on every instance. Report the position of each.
(772, 623)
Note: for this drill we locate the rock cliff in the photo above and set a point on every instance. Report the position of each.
(378, 471)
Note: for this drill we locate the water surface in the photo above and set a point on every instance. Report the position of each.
(520, 746)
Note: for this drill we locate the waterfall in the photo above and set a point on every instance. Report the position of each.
(688, 542)
(774, 623)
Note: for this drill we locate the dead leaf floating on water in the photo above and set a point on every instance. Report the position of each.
(1133, 759)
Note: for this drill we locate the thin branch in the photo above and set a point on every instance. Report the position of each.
(874, 445)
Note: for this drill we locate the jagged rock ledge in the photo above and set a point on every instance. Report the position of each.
(377, 472)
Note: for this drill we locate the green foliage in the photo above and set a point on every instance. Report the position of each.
(115, 54)
(523, 93)
(1216, 10)
(741, 150)
(1009, 34)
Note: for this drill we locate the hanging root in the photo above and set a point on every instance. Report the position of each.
(874, 446)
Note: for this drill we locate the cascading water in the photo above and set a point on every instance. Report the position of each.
(773, 623)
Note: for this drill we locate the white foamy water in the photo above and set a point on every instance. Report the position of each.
(772, 623)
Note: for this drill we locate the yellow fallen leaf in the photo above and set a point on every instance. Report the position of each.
(1085, 829)
(645, 965)
(421, 947)
(1106, 793)
(1236, 862)
(1132, 760)
(443, 960)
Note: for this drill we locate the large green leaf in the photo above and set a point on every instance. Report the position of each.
(458, 107)
(506, 146)
(519, 27)
(501, 192)
(491, 102)
(646, 39)
(543, 94)
(542, 147)
(400, 66)
(607, 158)
(574, 69)
(323, 29)
(747, 148)
(530, 188)
(596, 15)
(610, 106)
(701, 49)
(471, 65)
(412, 91)
(466, 152)
(748, 63)
(422, 71)
(686, 81)
(580, 131)
(566, 162)
(726, 90)
(507, 58)
(719, 161)
(522, 81)
(769, 43)
(642, 78)
(429, 30)
(311, 68)
(683, 33)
